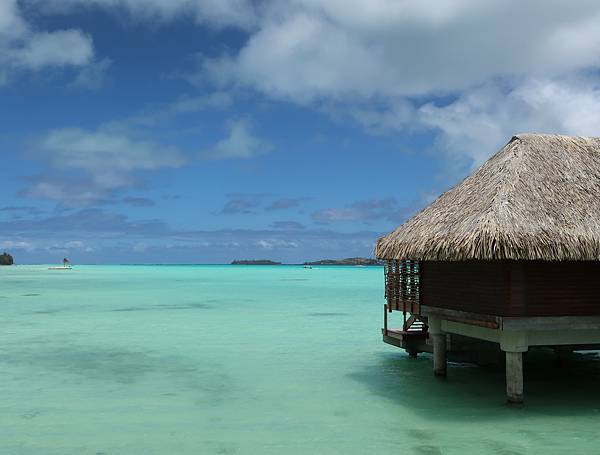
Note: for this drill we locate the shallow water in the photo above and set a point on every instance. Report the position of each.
(254, 360)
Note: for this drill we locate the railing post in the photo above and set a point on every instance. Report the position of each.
(385, 319)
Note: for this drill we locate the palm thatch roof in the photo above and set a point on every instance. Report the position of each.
(538, 198)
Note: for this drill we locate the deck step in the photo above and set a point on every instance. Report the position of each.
(400, 334)
(417, 326)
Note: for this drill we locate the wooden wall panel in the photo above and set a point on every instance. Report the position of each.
(473, 286)
(513, 288)
(560, 288)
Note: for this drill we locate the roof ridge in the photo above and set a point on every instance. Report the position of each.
(513, 164)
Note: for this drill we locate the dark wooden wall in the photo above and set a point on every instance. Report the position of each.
(513, 288)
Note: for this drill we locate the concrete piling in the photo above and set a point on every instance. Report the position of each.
(514, 377)
(439, 355)
(439, 347)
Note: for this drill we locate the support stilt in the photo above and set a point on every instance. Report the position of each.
(439, 355)
(514, 377)
(438, 339)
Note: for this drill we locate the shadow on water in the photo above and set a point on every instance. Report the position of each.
(206, 382)
(325, 315)
(471, 391)
(163, 307)
(49, 311)
(206, 305)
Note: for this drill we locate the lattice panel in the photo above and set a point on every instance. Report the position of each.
(402, 285)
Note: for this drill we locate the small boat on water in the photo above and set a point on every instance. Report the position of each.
(66, 266)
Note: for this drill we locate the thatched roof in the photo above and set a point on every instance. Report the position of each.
(538, 198)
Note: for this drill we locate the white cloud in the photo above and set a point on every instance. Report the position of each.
(214, 12)
(74, 244)
(102, 151)
(108, 158)
(16, 245)
(481, 120)
(216, 100)
(23, 48)
(60, 48)
(185, 104)
(270, 244)
(92, 76)
(114, 237)
(390, 65)
(240, 143)
(363, 211)
(371, 48)
(303, 58)
(12, 26)
(393, 65)
(66, 191)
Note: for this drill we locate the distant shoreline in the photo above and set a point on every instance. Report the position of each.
(166, 264)
(356, 261)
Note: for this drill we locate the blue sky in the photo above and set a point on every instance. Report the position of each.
(202, 131)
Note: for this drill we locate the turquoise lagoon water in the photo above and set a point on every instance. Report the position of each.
(253, 360)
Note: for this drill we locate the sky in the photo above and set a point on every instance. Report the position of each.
(203, 131)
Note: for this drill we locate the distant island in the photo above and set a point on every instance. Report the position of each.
(347, 261)
(255, 262)
(6, 259)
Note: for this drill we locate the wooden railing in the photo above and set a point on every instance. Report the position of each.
(402, 290)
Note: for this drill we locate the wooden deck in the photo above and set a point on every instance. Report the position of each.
(413, 341)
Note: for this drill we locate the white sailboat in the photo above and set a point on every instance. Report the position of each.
(66, 265)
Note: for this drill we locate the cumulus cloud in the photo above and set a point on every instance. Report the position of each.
(216, 100)
(67, 191)
(92, 76)
(365, 211)
(474, 71)
(87, 222)
(287, 225)
(109, 159)
(240, 143)
(138, 201)
(101, 236)
(16, 245)
(60, 48)
(238, 203)
(19, 211)
(249, 203)
(390, 48)
(218, 13)
(286, 203)
(390, 65)
(184, 104)
(24, 48)
(479, 121)
(270, 244)
(103, 152)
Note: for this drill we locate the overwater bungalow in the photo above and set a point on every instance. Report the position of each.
(508, 259)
